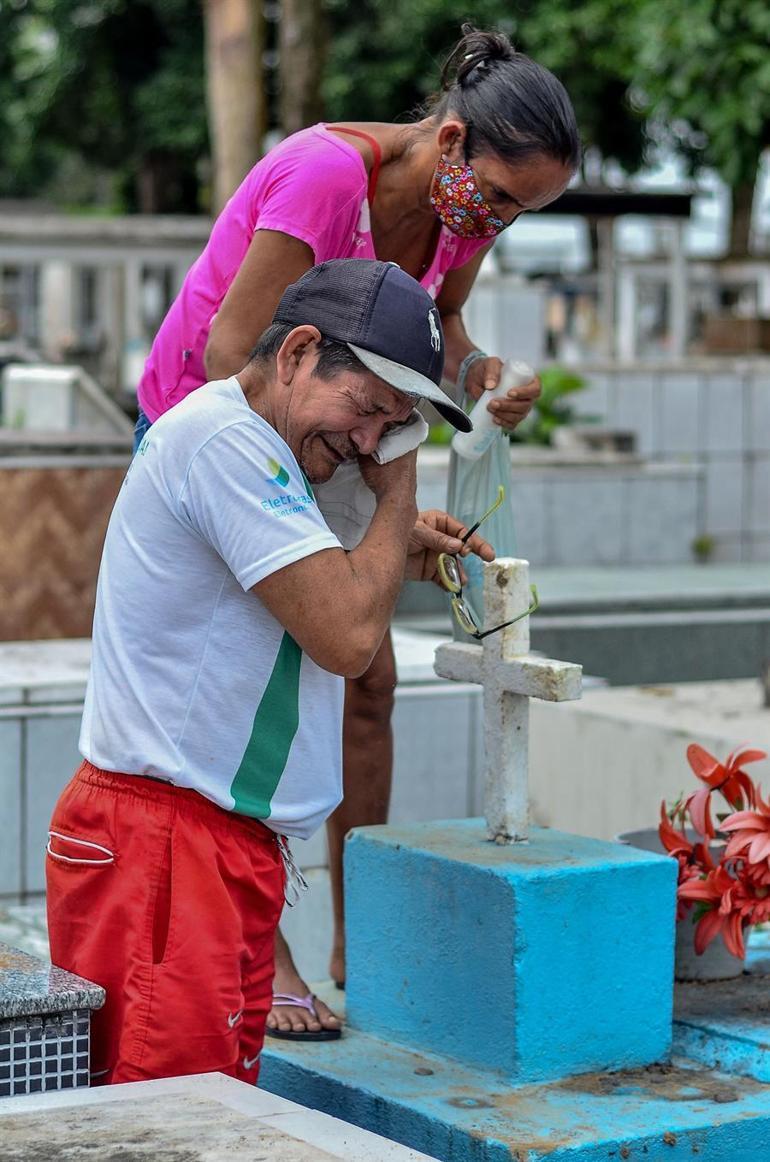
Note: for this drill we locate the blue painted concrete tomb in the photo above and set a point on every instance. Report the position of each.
(662, 1113)
(515, 1003)
(556, 946)
(725, 1024)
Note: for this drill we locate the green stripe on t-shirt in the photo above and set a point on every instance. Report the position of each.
(275, 725)
(308, 486)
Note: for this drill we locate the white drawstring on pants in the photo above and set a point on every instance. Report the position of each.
(295, 882)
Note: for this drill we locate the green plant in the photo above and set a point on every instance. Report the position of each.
(440, 434)
(550, 410)
(703, 547)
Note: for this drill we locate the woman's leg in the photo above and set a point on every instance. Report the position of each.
(368, 775)
(368, 770)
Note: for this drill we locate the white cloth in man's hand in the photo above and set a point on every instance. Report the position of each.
(404, 439)
(346, 502)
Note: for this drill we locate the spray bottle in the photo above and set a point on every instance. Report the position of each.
(473, 445)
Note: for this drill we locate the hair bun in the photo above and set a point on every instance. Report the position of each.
(475, 49)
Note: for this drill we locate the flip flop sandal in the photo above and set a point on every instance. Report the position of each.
(301, 1003)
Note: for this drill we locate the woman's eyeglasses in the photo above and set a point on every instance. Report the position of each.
(450, 576)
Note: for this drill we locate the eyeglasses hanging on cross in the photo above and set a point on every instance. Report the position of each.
(450, 576)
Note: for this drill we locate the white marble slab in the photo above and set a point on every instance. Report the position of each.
(602, 765)
(203, 1118)
(38, 673)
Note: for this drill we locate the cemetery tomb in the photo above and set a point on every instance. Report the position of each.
(201, 1118)
(510, 990)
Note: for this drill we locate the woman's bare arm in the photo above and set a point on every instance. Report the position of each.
(485, 374)
(272, 262)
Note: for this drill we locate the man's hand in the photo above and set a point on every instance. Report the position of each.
(399, 475)
(484, 375)
(437, 532)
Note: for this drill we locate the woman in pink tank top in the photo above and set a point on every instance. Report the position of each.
(431, 195)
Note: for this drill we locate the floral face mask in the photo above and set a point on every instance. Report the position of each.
(458, 202)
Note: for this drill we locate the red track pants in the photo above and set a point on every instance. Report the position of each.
(171, 904)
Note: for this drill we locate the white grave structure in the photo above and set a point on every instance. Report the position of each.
(43, 398)
(201, 1118)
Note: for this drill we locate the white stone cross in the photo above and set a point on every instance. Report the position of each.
(510, 676)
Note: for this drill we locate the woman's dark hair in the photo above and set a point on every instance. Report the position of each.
(510, 105)
(333, 356)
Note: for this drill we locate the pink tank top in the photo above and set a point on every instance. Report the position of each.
(312, 186)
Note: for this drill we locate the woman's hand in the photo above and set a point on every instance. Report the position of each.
(484, 375)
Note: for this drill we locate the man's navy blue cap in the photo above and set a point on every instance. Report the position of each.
(384, 316)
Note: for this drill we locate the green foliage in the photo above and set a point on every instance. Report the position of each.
(692, 76)
(591, 47)
(440, 435)
(551, 410)
(23, 166)
(703, 547)
(115, 88)
(114, 85)
(385, 56)
(704, 75)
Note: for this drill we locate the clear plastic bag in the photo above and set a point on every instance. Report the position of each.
(473, 486)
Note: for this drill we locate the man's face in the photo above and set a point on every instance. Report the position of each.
(331, 421)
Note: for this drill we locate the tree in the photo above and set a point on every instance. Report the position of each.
(234, 41)
(704, 77)
(302, 51)
(385, 56)
(25, 165)
(114, 85)
(591, 48)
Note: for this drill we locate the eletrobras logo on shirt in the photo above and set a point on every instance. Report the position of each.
(288, 503)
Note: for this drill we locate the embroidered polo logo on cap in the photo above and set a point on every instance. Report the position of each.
(380, 312)
(435, 334)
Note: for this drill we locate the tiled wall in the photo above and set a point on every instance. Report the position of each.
(52, 523)
(714, 413)
(703, 430)
(39, 1054)
(38, 756)
(644, 515)
(623, 513)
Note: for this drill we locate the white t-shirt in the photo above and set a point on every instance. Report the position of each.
(192, 679)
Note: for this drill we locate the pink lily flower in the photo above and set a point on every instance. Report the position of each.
(750, 836)
(717, 890)
(728, 778)
(692, 858)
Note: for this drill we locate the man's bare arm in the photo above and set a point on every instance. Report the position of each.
(336, 605)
